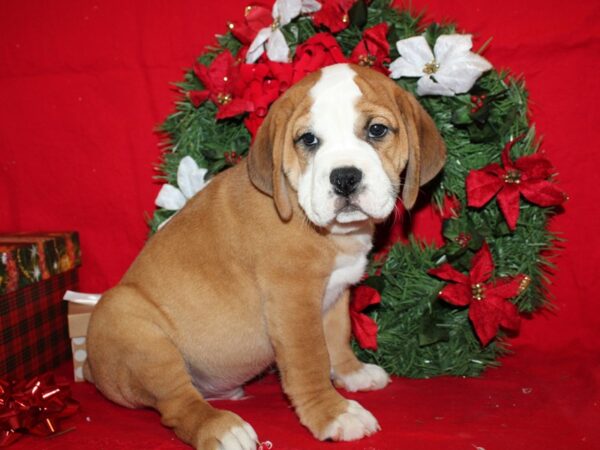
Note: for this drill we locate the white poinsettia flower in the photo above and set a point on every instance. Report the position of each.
(452, 68)
(190, 179)
(271, 38)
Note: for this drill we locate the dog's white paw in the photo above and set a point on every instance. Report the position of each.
(353, 424)
(368, 378)
(239, 438)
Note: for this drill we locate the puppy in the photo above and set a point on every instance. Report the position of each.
(256, 268)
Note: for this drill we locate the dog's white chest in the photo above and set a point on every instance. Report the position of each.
(348, 270)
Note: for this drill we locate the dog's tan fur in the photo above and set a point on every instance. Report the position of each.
(233, 283)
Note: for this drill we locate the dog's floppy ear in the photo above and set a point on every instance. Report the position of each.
(426, 148)
(265, 161)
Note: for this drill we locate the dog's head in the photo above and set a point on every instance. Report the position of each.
(341, 138)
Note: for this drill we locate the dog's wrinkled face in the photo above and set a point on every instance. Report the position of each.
(345, 137)
(341, 139)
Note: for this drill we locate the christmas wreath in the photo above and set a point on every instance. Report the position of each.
(423, 310)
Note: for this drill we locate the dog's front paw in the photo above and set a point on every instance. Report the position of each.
(355, 423)
(368, 378)
(226, 431)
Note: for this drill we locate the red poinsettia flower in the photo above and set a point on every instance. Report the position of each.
(318, 51)
(261, 84)
(374, 49)
(489, 308)
(256, 18)
(527, 176)
(364, 328)
(333, 14)
(219, 79)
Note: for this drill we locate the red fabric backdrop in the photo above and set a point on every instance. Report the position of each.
(84, 83)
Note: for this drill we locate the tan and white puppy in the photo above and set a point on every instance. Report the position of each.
(256, 268)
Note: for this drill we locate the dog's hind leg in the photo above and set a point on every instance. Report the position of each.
(347, 371)
(134, 363)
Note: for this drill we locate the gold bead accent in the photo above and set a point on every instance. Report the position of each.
(64, 263)
(524, 284)
(223, 98)
(230, 25)
(345, 18)
(275, 24)
(225, 79)
(512, 177)
(463, 239)
(367, 60)
(248, 10)
(431, 67)
(478, 291)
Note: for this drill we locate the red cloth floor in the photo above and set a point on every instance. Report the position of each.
(534, 401)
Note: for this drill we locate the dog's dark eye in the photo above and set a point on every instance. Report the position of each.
(377, 131)
(309, 140)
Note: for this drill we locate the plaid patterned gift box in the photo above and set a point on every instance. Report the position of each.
(35, 271)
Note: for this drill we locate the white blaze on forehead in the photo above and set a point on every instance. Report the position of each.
(334, 96)
(334, 117)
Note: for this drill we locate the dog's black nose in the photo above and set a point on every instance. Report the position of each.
(345, 180)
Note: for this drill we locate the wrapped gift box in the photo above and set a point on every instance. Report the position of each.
(35, 271)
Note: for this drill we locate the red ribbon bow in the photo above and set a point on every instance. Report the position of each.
(527, 176)
(35, 407)
(364, 328)
(489, 308)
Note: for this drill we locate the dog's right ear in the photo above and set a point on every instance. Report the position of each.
(426, 148)
(265, 161)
